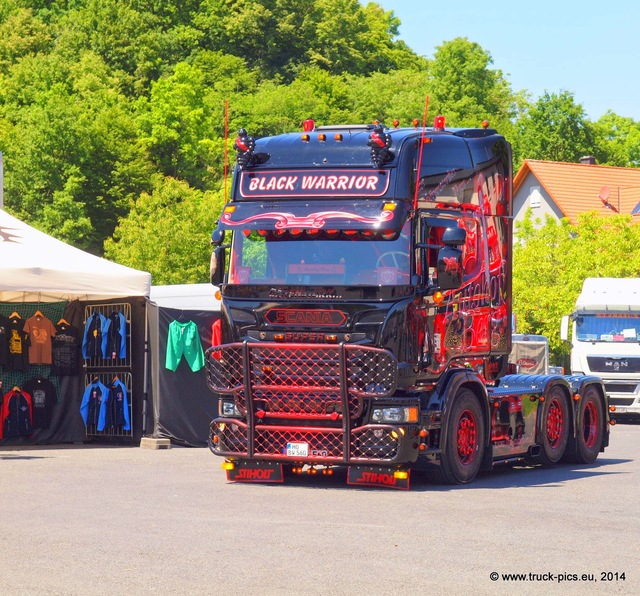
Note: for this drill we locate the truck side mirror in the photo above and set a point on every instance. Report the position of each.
(564, 328)
(449, 268)
(217, 237)
(454, 236)
(216, 269)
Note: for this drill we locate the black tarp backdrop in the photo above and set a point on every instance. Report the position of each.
(183, 405)
(66, 424)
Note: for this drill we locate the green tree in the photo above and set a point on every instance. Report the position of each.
(464, 87)
(385, 96)
(167, 233)
(555, 128)
(278, 37)
(617, 140)
(552, 259)
(173, 122)
(22, 34)
(70, 135)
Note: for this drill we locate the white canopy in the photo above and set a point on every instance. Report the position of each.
(186, 296)
(35, 267)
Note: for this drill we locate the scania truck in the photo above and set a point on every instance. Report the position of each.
(365, 280)
(605, 339)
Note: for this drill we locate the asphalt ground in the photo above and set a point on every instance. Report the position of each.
(94, 520)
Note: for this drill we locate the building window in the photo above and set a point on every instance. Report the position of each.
(535, 198)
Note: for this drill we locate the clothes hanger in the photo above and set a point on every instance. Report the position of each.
(38, 314)
(16, 388)
(64, 322)
(14, 315)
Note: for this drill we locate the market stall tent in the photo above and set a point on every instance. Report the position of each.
(35, 267)
(39, 273)
(183, 406)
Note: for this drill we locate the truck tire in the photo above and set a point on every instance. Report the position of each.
(465, 441)
(555, 426)
(589, 428)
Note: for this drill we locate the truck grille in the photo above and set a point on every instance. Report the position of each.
(618, 365)
(302, 393)
(621, 387)
(301, 380)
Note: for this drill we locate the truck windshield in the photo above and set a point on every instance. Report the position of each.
(321, 257)
(613, 327)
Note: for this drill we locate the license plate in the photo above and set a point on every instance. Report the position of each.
(297, 449)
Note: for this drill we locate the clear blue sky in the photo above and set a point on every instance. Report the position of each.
(589, 48)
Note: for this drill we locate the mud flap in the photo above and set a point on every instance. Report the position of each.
(254, 471)
(377, 476)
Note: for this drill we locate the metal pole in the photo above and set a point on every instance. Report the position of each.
(145, 378)
(1, 181)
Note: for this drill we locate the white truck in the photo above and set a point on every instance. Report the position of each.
(605, 338)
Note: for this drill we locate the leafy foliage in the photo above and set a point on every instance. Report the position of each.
(164, 230)
(552, 259)
(555, 128)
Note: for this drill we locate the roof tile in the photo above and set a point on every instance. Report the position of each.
(577, 187)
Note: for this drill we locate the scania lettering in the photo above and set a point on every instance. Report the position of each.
(365, 280)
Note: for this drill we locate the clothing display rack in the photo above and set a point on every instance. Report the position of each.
(106, 369)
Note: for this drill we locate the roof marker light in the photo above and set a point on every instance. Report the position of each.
(396, 123)
(485, 124)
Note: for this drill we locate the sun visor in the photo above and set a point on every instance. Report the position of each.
(374, 214)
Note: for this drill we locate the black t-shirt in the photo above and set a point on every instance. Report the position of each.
(43, 398)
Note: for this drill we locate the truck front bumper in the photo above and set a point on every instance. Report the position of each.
(368, 444)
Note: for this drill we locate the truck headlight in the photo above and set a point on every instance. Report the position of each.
(394, 415)
(228, 408)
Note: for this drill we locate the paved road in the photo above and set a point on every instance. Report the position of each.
(95, 520)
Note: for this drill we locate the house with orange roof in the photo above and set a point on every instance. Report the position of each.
(562, 189)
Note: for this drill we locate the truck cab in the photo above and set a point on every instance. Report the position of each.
(605, 339)
(365, 275)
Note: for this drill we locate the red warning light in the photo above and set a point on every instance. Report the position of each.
(308, 125)
(438, 123)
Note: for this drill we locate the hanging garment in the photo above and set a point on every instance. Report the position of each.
(18, 345)
(15, 414)
(40, 331)
(4, 341)
(116, 344)
(183, 339)
(118, 406)
(43, 398)
(93, 408)
(94, 340)
(64, 350)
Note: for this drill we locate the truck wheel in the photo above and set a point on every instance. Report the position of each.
(555, 426)
(590, 428)
(465, 441)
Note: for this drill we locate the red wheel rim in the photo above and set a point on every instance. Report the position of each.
(467, 437)
(590, 424)
(555, 423)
